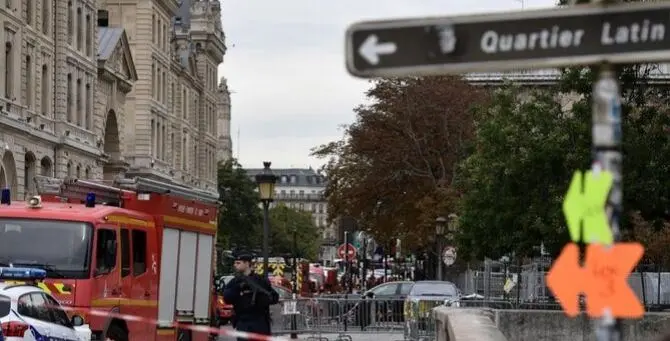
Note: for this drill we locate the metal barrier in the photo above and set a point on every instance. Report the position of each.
(319, 316)
(420, 320)
(340, 318)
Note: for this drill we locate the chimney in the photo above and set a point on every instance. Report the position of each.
(103, 18)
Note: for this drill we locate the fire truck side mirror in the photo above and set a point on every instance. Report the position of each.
(5, 305)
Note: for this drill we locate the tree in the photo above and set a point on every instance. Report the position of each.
(517, 177)
(654, 239)
(284, 222)
(393, 171)
(646, 143)
(526, 149)
(240, 217)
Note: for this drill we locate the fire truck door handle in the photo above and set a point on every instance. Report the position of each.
(116, 292)
(147, 294)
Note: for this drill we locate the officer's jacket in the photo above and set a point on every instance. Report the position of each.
(251, 296)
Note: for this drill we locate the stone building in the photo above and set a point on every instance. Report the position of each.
(177, 102)
(303, 189)
(95, 90)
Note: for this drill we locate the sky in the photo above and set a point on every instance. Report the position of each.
(285, 68)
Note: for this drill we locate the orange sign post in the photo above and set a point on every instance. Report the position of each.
(603, 280)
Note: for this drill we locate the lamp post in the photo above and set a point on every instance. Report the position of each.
(440, 223)
(266, 190)
(452, 225)
(294, 285)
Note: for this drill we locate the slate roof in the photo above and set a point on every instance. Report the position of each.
(305, 177)
(108, 38)
(183, 24)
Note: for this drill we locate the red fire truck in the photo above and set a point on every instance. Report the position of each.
(141, 247)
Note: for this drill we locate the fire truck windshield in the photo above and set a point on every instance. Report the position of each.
(60, 247)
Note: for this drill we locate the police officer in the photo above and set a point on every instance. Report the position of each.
(251, 296)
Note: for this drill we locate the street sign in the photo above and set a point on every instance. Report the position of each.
(585, 34)
(603, 279)
(351, 251)
(584, 207)
(449, 255)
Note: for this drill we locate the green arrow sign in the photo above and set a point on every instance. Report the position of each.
(584, 205)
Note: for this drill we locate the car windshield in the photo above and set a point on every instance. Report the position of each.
(60, 247)
(283, 293)
(434, 289)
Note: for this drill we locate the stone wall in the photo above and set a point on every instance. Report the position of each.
(529, 325)
(464, 324)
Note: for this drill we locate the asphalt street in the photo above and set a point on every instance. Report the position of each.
(334, 337)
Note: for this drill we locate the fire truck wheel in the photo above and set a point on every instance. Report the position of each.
(116, 333)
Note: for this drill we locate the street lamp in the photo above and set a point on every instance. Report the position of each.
(452, 225)
(266, 190)
(440, 223)
(294, 284)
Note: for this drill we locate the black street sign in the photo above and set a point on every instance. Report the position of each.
(585, 34)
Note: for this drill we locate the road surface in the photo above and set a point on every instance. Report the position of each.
(335, 337)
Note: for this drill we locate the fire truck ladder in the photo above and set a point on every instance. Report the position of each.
(144, 185)
(78, 190)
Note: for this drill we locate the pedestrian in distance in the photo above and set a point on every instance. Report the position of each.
(251, 296)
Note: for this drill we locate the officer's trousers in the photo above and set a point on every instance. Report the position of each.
(259, 326)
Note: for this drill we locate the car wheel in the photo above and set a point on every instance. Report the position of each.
(116, 333)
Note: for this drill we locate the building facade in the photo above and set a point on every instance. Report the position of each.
(78, 96)
(177, 104)
(303, 189)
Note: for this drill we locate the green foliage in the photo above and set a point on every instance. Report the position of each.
(240, 217)
(526, 149)
(240, 224)
(284, 222)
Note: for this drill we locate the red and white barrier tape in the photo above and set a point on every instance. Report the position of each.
(197, 328)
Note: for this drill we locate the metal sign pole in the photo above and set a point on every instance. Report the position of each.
(607, 155)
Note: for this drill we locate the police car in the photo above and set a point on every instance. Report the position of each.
(29, 314)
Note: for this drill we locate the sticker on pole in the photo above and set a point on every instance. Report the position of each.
(584, 207)
(603, 280)
(290, 307)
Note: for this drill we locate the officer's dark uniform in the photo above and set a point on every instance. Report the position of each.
(251, 297)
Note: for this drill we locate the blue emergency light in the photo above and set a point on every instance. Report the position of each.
(5, 197)
(90, 200)
(22, 273)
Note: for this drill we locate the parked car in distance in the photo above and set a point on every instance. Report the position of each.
(383, 303)
(424, 296)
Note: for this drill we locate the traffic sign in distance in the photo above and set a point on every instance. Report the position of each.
(351, 251)
(584, 207)
(449, 255)
(586, 34)
(603, 280)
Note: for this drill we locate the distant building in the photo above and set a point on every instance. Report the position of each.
(303, 189)
(659, 75)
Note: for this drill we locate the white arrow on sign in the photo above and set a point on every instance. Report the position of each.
(371, 49)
